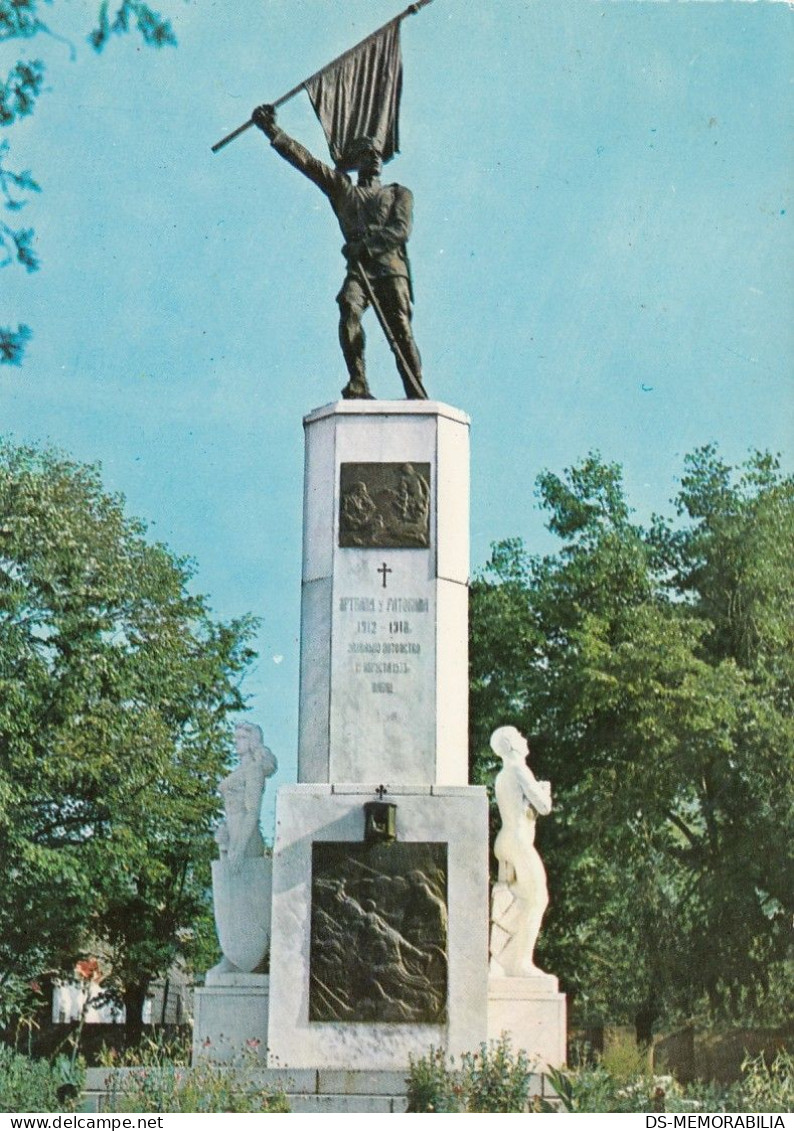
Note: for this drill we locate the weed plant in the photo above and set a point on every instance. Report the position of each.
(768, 1086)
(158, 1077)
(493, 1079)
(28, 1085)
(764, 1087)
(158, 1050)
(496, 1079)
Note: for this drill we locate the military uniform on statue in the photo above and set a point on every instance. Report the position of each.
(376, 222)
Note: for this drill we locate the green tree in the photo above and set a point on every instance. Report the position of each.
(19, 93)
(652, 671)
(116, 687)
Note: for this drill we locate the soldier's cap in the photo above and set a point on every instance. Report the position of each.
(358, 148)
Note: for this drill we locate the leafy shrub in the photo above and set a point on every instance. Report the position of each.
(624, 1059)
(160, 1049)
(432, 1084)
(768, 1087)
(493, 1079)
(28, 1085)
(704, 1096)
(584, 1089)
(596, 1088)
(19, 1002)
(203, 1087)
(764, 1087)
(496, 1079)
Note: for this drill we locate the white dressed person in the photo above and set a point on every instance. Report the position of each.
(241, 879)
(521, 895)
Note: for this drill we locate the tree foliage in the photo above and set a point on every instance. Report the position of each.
(115, 689)
(19, 93)
(652, 670)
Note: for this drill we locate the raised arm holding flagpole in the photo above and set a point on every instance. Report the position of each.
(308, 83)
(357, 99)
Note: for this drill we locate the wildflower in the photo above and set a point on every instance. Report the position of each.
(87, 968)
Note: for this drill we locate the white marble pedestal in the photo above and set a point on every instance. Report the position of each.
(231, 1017)
(384, 690)
(306, 815)
(532, 1013)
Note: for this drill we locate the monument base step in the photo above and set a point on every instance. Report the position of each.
(311, 1091)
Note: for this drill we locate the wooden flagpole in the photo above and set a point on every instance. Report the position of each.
(411, 10)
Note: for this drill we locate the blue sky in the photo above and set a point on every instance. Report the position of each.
(602, 257)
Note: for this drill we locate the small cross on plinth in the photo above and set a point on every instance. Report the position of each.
(383, 570)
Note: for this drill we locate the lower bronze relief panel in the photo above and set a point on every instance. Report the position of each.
(379, 932)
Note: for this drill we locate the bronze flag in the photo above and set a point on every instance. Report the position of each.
(359, 96)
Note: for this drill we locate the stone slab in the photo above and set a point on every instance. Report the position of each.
(338, 1081)
(231, 1021)
(383, 408)
(540, 985)
(343, 1104)
(238, 979)
(297, 1080)
(446, 790)
(384, 636)
(315, 679)
(250, 1079)
(370, 789)
(452, 455)
(533, 1013)
(461, 822)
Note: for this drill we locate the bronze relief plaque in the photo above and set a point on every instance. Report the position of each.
(385, 505)
(379, 932)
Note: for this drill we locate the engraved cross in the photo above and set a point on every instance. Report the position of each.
(383, 570)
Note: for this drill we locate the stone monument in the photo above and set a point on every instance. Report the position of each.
(378, 919)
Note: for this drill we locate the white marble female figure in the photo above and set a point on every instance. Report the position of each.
(242, 878)
(520, 895)
(238, 836)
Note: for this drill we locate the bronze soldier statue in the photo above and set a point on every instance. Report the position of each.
(376, 222)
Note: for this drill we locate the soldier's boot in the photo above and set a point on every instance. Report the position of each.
(357, 388)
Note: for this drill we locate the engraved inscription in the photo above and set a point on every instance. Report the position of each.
(382, 644)
(379, 932)
(385, 505)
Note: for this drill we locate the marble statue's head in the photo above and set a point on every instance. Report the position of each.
(250, 743)
(248, 737)
(509, 740)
